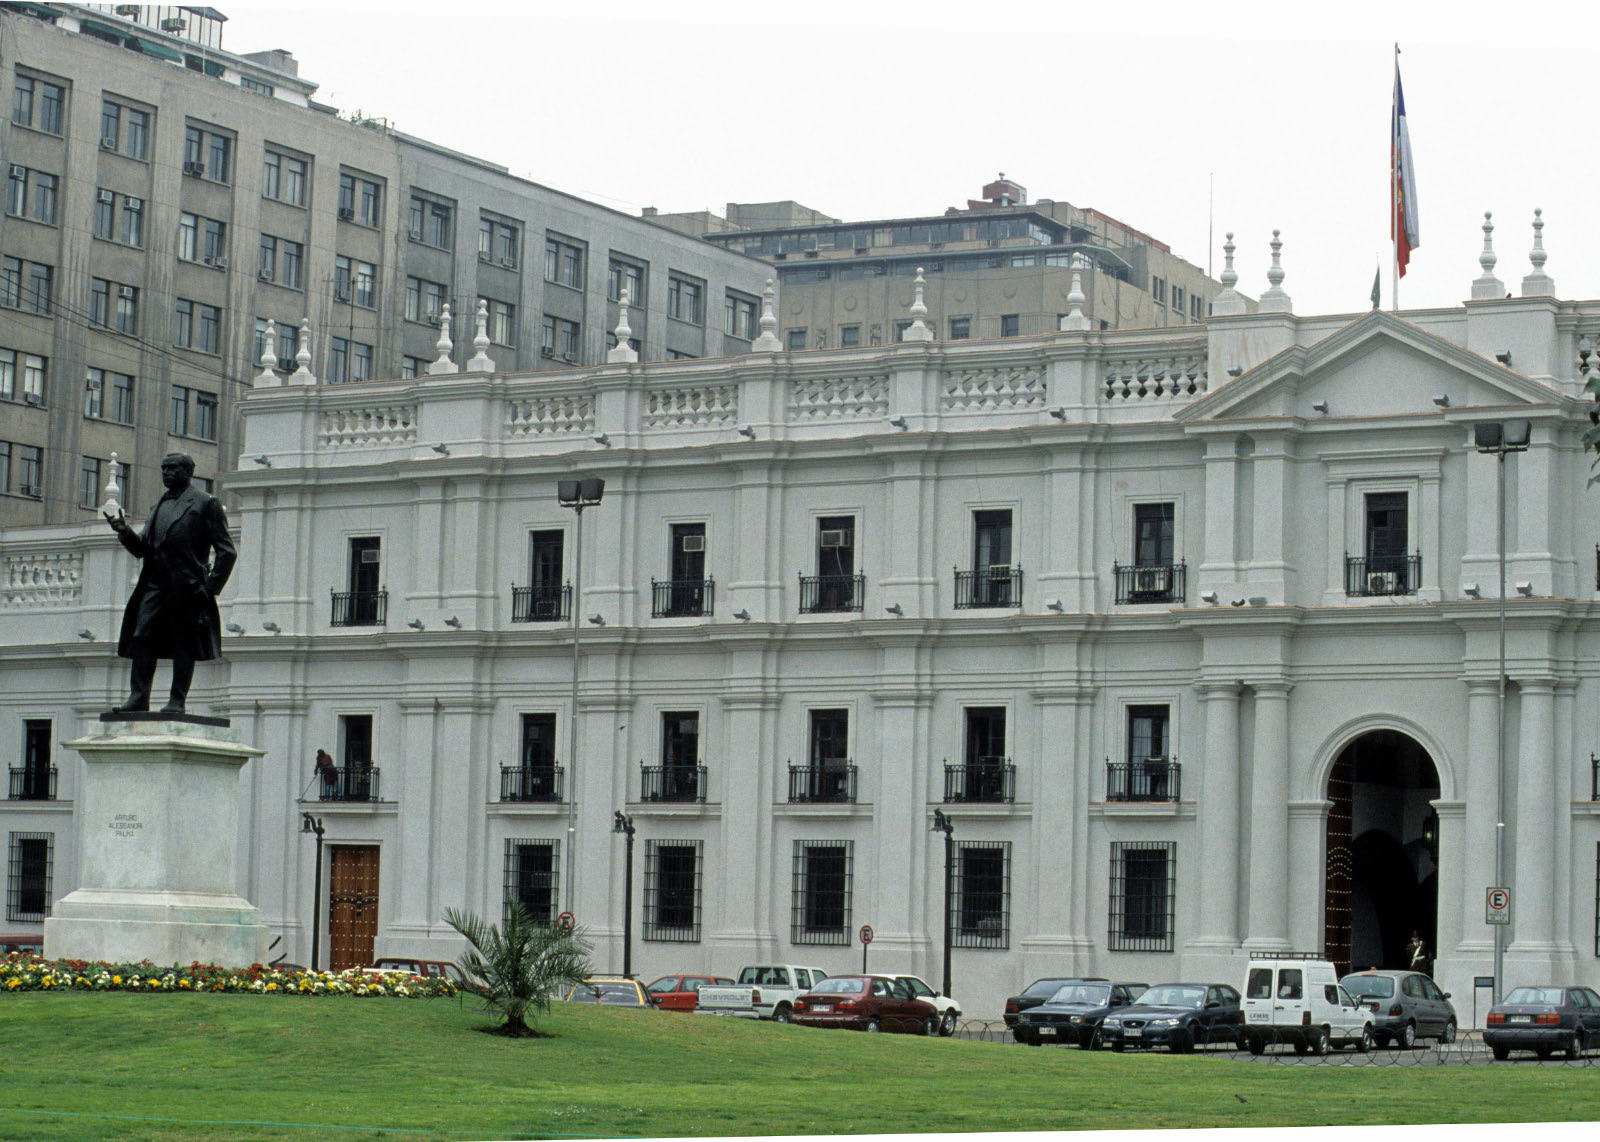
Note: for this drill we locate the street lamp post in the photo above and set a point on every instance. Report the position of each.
(576, 494)
(1496, 439)
(622, 823)
(943, 824)
(310, 824)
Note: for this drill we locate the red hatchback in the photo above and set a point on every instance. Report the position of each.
(682, 992)
(866, 1003)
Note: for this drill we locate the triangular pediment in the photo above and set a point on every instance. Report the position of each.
(1378, 365)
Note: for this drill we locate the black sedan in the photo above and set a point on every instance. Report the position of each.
(1074, 1012)
(1034, 994)
(1178, 1016)
(1543, 1020)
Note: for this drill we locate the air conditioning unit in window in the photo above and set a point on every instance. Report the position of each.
(508, 263)
(173, 24)
(194, 168)
(416, 235)
(999, 571)
(94, 385)
(1383, 582)
(32, 490)
(128, 10)
(1152, 580)
(546, 352)
(32, 398)
(341, 293)
(346, 214)
(544, 609)
(264, 275)
(693, 543)
(834, 537)
(219, 263)
(108, 144)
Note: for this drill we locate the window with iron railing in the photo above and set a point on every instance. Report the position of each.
(35, 778)
(980, 891)
(351, 783)
(30, 859)
(541, 604)
(1382, 575)
(1164, 583)
(1142, 896)
(1147, 779)
(672, 883)
(832, 782)
(989, 780)
(532, 872)
(821, 893)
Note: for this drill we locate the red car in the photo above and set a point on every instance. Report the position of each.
(866, 1003)
(682, 992)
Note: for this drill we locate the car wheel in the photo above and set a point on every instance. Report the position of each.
(1027, 1037)
(1575, 1045)
(873, 1025)
(1093, 1042)
(1318, 1044)
(1364, 1044)
(1301, 1046)
(1408, 1036)
(1500, 1051)
(930, 1025)
(1542, 1052)
(947, 1026)
(1256, 1044)
(1448, 1035)
(1182, 1042)
(784, 1014)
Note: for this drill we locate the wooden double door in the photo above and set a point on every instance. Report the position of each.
(352, 905)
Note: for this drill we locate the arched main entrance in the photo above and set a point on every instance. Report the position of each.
(1383, 852)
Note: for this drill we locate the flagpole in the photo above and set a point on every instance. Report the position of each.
(1394, 187)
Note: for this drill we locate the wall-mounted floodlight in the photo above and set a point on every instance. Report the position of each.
(86, 634)
(746, 431)
(453, 622)
(598, 620)
(602, 439)
(415, 624)
(1470, 590)
(1208, 597)
(1055, 605)
(1442, 400)
(1320, 406)
(894, 609)
(742, 615)
(271, 627)
(235, 628)
(442, 448)
(262, 460)
(1504, 357)
(1059, 413)
(898, 421)
(1258, 600)
(1525, 589)
(584, 492)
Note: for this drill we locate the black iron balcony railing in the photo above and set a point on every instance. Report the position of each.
(1597, 573)
(531, 782)
(1594, 779)
(996, 586)
(351, 783)
(360, 608)
(550, 603)
(988, 780)
(1382, 574)
(1152, 779)
(677, 598)
(680, 783)
(1154, 583)
(33, 783)
(831, 594)
(829, 783)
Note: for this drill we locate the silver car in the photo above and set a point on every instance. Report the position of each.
(1406, 1006)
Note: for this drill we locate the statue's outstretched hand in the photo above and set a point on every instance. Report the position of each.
(117, 522)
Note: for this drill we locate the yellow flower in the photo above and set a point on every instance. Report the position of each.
(117, 979)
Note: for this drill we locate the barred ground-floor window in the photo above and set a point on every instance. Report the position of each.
(980, 891)
(28, 879)
(822, 887)
(1142, 886)
(532, 872)
(672, 874)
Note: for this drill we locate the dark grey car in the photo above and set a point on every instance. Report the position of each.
(1406, 1006)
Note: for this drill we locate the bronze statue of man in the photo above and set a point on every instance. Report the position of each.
(186, 557)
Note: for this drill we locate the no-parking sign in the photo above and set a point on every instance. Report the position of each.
(1497, 906)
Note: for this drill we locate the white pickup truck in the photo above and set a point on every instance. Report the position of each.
(764, 991)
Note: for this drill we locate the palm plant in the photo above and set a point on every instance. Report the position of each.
(521, 966)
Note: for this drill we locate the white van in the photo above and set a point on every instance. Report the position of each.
(1289, 999)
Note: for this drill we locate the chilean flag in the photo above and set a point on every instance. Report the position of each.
(1402, 181)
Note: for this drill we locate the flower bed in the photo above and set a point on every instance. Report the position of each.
(21, 971)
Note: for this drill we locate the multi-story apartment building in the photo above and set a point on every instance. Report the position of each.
(1191, 633)
(1000, 267)
(172, 208)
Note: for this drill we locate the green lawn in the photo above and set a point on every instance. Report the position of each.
(117, 1066)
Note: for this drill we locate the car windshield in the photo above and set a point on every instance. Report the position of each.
(1369, 986)
(838, 985)
(616, 992)
(1549, 996)
(1166, 995)
(1043, 987)
(1092, 993)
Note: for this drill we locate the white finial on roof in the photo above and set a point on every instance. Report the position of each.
(1538, 283)
(1229, 300)
(623, 353)
(112, 507)
(444, 364)
(302, 357)
(768, 341)
(481, 362)
(269, 360)
(918, 330)
(1486, 286)
(1074, 318)
(1275, 300)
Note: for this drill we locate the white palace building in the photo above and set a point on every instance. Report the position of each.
(1191, 634)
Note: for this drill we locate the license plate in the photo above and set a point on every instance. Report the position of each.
(823, 1008)
(1261, 1017)
(1520, 1019)
(1133, 1033)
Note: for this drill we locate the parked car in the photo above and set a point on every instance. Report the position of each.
(764, 991)
(949, 1010)
(427, 969)
(1406, 1006)
(865, 1003)
(1074, 1013)
(682, 992)
(1178, 1016)
(611, 991)
(1299, 1001)
(1034, 994)
(1542, 1020)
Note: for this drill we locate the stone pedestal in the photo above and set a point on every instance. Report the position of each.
(158, 821)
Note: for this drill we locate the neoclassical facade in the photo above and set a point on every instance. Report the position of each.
(1192, 635)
